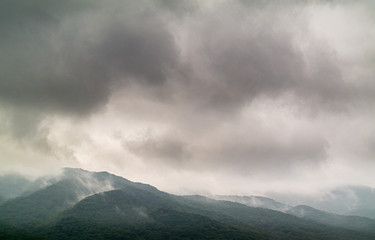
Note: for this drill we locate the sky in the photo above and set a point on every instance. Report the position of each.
(193, 97)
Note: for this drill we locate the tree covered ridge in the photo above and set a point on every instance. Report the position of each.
(74, 208)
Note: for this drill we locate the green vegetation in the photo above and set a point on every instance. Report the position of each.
(40, 207)
(349, 222)
(165, 224)
(140, 211)
(8, 232)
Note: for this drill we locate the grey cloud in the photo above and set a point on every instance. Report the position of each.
(24, 125)
(76, 59)
(271, 155)
(190, 67)
(232, 152)
(67, 58)
(263, 56)
(144, 50)
(51, 61)
(72, 60)
(166, 149)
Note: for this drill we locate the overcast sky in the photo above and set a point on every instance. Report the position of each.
(214, 97)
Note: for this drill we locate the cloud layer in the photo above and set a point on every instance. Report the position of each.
(227, 92)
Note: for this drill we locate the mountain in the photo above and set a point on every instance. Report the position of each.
(99, 205)
(349, 200)
(139, 213)
(254, 201)
(154, 212)
(277, 224)
(356, 223)
(345, 200)
(14, 185)
(8, 232)
(41, 206)
(63, 211)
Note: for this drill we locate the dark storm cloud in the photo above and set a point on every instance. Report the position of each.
(68, 57)
(50, 60)
(262, 55)
(72, 60)
(144, 50)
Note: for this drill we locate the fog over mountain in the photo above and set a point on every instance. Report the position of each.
(210, 97)
(79, 204)
(346, 200)
(254, 201)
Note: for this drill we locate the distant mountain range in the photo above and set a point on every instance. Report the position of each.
(345, 200)
(98, 205)
(348, 200)
(13, 185)
(357, 223)
(348, 222)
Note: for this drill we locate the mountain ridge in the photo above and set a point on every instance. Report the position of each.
(254, 201)
(100, 205)
(349, 222)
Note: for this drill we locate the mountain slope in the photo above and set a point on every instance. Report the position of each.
(40, 207)
(13, 185)
(345, 200)
(133, 208)
(350, 200)
(280, 225)
(137, 213)
(89, 205)
(254, 201)
(349, 222)
(8, 232)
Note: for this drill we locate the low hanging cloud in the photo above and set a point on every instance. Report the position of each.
(223, 86)
(244, 153)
